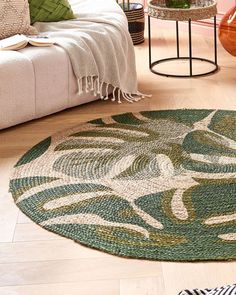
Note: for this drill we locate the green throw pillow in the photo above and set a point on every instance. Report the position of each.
(50, 10)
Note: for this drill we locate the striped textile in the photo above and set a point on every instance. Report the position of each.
(226, 290)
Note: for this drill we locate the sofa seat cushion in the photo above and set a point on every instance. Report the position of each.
(35, 82)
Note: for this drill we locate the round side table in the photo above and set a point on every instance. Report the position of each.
(199, 10)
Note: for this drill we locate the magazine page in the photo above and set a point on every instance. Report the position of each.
(40, 40)
(14, 42)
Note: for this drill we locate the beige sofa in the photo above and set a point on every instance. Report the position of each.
(35, 82)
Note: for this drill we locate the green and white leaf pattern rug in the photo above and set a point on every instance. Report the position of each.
(155, 185)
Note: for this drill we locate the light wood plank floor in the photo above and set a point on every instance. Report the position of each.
(34, 261)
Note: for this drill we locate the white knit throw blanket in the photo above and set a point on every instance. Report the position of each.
(100, 48)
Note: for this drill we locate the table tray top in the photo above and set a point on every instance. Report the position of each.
(199, 10)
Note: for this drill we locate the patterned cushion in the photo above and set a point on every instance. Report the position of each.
(50, 10)
(15, 18)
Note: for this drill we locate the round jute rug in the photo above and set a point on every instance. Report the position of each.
(156, 185)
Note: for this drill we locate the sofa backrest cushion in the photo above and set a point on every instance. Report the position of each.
(15, 18)
(50, 10)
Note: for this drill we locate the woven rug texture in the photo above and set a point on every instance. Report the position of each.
(157, 185)
(226, 290)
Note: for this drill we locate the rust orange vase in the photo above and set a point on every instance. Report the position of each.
(227, 31)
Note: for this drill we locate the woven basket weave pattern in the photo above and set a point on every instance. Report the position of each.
(136, 23)
(202, 3)
(155, 185)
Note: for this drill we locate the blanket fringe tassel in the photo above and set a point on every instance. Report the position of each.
(106, 91)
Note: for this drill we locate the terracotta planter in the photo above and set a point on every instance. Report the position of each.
(227, 31)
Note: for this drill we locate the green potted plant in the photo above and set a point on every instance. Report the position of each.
(135, 15)
(125, 5)
(178, 3)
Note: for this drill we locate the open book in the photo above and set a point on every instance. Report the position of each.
(20, 41)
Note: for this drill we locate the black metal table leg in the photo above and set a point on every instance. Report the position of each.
(190, 58)
(190, 48)
(215, 40)
(177, 38)
(149, 42)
